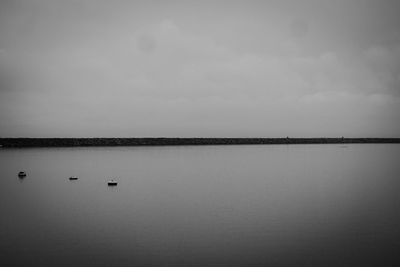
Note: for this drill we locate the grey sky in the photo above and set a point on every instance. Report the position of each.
(199, 68)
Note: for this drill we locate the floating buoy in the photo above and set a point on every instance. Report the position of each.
(112, 183)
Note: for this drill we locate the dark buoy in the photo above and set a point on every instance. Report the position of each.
(112, 183)
(21, 174)
(73, 178)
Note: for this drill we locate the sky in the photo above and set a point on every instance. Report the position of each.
(87, 68)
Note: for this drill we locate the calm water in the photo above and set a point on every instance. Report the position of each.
(298, 205)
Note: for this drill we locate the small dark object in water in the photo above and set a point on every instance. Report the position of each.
(112, 183)
(21, 174)
(73, 178)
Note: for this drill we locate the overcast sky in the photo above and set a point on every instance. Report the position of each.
(199, 68)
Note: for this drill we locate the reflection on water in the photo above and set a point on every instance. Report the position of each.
(277, 205)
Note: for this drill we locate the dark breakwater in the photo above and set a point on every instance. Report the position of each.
(73, 142)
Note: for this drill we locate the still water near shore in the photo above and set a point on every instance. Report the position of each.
(250, 205)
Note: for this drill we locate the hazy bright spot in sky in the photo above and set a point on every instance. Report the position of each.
(199, 68)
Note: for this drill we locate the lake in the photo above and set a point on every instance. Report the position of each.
(248, 205)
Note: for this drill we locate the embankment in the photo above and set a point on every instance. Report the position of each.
(74, 142)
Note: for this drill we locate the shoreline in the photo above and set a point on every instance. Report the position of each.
(164, 141)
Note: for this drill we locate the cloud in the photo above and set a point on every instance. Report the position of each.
(299, 28)
(161, 79)
(146, 43)
(227, 72)
(164, 61)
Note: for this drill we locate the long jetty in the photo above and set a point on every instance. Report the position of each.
(164, 141)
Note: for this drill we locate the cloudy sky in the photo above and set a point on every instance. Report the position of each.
(199, 68)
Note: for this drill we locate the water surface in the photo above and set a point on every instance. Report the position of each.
(253, 205)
